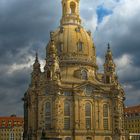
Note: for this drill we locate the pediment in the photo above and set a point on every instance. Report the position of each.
(90, 86)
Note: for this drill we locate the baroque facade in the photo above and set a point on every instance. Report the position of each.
(71, 100)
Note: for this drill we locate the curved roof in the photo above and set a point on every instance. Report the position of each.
(74, 42)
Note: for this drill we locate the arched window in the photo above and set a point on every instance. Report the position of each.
(48, 115)
(67, 115)
(105, 116)
(84, 75)
(80, 46)
(107, 79)
(60, 47)
(88, 115)
(72, 7)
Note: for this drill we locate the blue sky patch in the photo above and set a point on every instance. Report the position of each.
(101, 12)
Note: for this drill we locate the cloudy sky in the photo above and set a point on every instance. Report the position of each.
(25, 27)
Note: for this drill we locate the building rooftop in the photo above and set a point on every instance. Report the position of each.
(11, 121)
(132, 109)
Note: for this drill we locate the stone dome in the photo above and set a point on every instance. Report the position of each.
(74, 45)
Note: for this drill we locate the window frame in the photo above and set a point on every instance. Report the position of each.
(48, 116)
(80, 46)
(84, 74)
(88, 115)
(72, 7)
(67, 115)
(106, 116)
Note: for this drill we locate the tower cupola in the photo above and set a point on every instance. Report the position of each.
(36, 65)
(52, 68)
(109, 67)
(36, 71)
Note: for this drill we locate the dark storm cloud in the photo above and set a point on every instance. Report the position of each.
(122, 30)
(12, 88)
(24, 29)
(123, 35)
(130, 42)
(26, 22)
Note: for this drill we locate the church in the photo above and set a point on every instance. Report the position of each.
(70, 99)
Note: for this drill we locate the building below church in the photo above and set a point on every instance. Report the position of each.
(132, 121)
(11, 128)
(70, 99)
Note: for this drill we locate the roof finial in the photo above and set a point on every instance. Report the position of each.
(51, 35)
(36, 64)
(36, 56)
(108, 46)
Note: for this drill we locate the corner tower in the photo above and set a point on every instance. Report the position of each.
(109, 67)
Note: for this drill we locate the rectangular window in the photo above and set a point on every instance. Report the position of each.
(48, 116)
(67, 93)
(105, 113)
(105, 110)
(48, 113)
(3, 123)
(105, 124)
(9, 123)
(67, 112)
(88, 111)
(66, 123)
(48, 122)
(88, 138)
(60, 47)
(88, 123)
(80, 46)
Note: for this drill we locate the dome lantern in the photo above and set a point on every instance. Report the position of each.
(70, 12)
